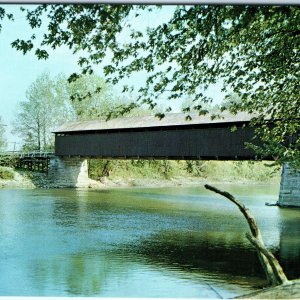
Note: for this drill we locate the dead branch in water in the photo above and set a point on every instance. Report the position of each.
(270, 264)
(277, 269)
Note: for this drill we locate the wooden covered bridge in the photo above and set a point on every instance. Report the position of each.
(172, 137)
(147, 137)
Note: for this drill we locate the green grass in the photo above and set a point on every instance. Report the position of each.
(241, 170)
(166, 169)
(6, 174)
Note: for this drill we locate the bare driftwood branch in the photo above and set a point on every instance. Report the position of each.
(245, 211)
(270, 264)
(277, 269)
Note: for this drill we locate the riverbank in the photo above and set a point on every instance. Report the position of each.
(288, 291)
(31, 180)
(17, 179)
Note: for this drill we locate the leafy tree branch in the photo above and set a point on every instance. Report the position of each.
(252, 50)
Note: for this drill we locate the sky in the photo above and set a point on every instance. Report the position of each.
(18, 71)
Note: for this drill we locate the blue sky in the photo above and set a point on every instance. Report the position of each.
(18, 71)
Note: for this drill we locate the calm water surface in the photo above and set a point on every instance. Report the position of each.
(171, 242)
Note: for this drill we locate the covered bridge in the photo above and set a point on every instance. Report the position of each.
(147, 137)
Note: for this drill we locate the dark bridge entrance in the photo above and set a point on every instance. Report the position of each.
(173, 137)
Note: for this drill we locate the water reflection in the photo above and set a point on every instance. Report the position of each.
(78, 274)
(224, 256)
(289, 249)
(66, 213)
(138, 243)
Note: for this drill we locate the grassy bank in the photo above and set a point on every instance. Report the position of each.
(11, 178)
(166, 170)
(154, 173)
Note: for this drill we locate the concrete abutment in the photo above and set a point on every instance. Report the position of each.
(289, 195)
(68, 172)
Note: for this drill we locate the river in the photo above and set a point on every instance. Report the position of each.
(139, 242)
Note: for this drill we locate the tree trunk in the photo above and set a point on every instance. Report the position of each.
(270, 264)
(39, 134)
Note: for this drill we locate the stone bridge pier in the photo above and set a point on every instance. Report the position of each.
(289, 195)
(68, 172)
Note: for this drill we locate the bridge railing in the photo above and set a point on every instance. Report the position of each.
(33, 160)
(31, 154)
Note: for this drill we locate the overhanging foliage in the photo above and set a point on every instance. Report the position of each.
(252, 50)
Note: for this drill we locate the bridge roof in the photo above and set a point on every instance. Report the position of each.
(174, 119)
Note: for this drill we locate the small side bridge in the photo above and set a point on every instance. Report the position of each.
(32, 161)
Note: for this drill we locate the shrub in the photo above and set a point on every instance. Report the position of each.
(6, 174)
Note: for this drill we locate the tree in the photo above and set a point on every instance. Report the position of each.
(4, 15)
(252, 50)
(86, 104)
(2, 138)
(44, 109)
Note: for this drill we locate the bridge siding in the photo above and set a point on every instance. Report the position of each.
(188, 143)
